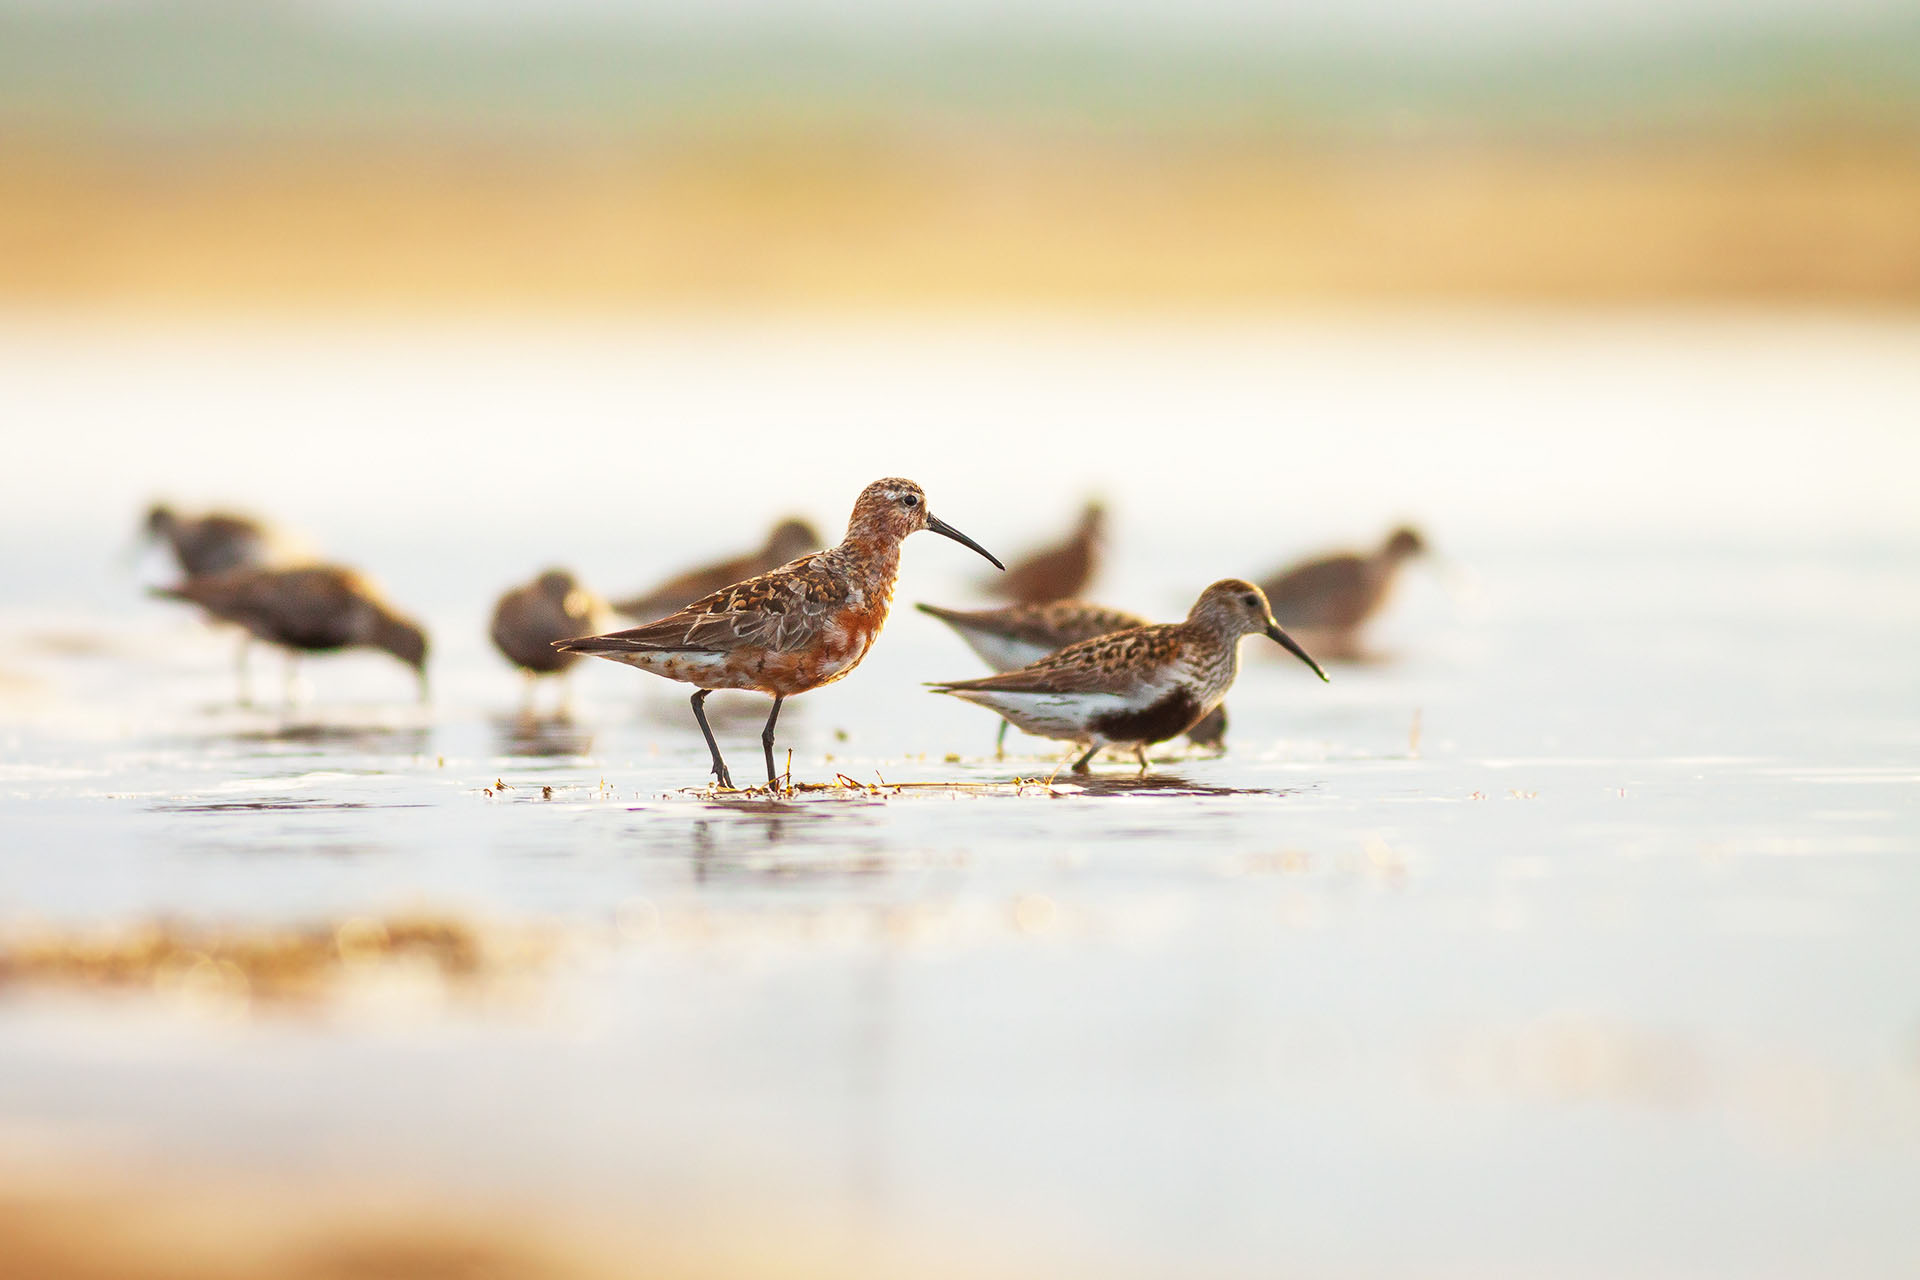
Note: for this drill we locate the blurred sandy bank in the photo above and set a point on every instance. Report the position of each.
(838, 219)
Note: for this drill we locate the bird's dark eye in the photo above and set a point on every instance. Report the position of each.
(1249, 600)
(911, 500)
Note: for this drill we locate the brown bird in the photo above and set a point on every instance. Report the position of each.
(311, 609)
(1328, 598)
(529, 618)
(213, 542)
(789, 540)
(795, 628)
(1010, 638)
(1137, 687)
(1058, 572)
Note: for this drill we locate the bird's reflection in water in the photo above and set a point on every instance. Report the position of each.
(527, 734)
(343, 735)
(778, 842)
(1158, 784)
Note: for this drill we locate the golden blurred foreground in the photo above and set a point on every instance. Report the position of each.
(63, 1226)
(771, 217)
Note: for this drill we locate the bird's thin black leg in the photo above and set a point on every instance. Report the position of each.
(1080, 765)
(1140, 754)
(766, 740)
(719, 765)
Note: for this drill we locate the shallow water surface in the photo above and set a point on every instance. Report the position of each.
(1572, 936)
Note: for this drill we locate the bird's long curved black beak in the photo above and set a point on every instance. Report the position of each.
(1292, 646)
(936, 525)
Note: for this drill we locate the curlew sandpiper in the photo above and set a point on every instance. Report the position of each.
(803, 625)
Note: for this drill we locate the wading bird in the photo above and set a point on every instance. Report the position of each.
(1058, 572)
(311, 609)
(1134, 688)
(1329, 597)
(1010, 638)
(529, 618)
(803, 625)
(213, 542)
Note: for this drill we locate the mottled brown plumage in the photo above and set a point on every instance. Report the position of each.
(1138, 687)
(789, 540)
(1331, 596)
(803, 625)
(312, 609)
(1058, 572)
(1011, 637)
(529, 618)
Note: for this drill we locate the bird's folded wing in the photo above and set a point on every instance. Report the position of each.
(781, 610)
(1121, 664)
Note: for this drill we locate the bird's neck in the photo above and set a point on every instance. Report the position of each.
(871, 565)
(1211, 653)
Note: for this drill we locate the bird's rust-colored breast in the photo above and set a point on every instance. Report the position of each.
(845, 640)
(837, 642)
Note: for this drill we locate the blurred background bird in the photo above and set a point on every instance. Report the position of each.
(1061, 571)
(216, 540)
(309, 609)
(1012, 637)
(529, 618)
(1328, 598)
(789, 540)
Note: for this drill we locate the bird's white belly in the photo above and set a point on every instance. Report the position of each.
(692, 666)
(1063, 716)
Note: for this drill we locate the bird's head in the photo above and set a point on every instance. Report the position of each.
(891, 509)
(1234, 607)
